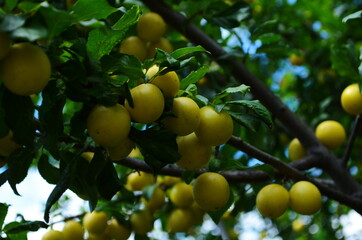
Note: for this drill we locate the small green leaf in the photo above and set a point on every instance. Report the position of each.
(109, 176)
(247, 120)
(3, 212)
(354, 15)
(243, 89)
(147, 192)
(183, 52)
(233, 15)
(255, 107)
(269, 38)
(15, 236)
(11, 22)
(264, 28)
(194, 76)
(56, 20)
(158, 147)
(345, 62)
(51, 117)
(18, 165)
(25, 226)
(127, 65)
(128, 19)
(101, 41)
(48, 172)
(10, 5)
(87, 9)
(59, 189)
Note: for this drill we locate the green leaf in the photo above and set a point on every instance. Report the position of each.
(255, 107)
(147, 192)
(31, 33)
(109, 176)
(127, 65)
(51, 117)
(18, 165)
(128, 19)
(194, 76)
(345, 61)
(101, 41)
(10, 5)
(183, 52)
(3, 212)
(15, 236)
(243, 89)
(247, 120)
(158, 147)
(216, 215)
(47, 171)
(25, 226)
(233, 15)
(88, 9)
(188, 176)
(19, 112)
(269, 38)
(59, 189)
(11, 22)
(264, 28)
(56, 20)
(354, 15)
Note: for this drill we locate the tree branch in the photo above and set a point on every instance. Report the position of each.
(295, 125)
(352, 137)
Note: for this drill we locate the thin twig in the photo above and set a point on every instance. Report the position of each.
(352, 137)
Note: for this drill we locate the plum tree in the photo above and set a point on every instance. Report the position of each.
(129, 104)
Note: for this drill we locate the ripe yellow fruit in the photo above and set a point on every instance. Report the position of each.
(26, 69)
(215, 128)
(305, 198)
(8, 145)
(73, 230)
(272, 200)
(181, 195)
(331, 133)
(95, 222)
(163, 44)
(187, 116)
(135, 153)
(151, 27)
(169, 83)
(211, 191)
(298, 225)
(53, 235)
(296, 150)
(197, 213)
(148, 103)
(117, 231)
(157, 200)
(138, 180)
(179, 220)
(135, 46)
(87, 156)
(194, 154)
(296, 60)
(351, 99)
(5, 44)
(121, 151)
(168, 180)
(98, 237)
(109, 126)
(141, 222)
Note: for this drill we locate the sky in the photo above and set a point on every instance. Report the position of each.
(35, 190)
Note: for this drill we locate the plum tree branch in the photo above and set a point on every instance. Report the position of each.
(352, 137)
(252, 176)
(291, 122)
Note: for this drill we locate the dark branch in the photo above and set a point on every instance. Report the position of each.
(352, 137)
